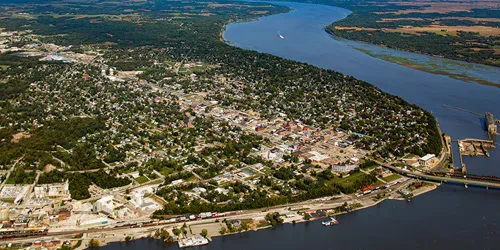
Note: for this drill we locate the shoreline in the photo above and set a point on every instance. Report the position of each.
(149, 233)
(142, 225)
(244, 20)
(420, 67)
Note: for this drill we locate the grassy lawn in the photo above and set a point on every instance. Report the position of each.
(166, 171)
(348, 181)
(141, 179)
(157, 182)
(198, 68)
(130, 170)
(392, 177)
(192, 178)
(408, 156)
(371, 168)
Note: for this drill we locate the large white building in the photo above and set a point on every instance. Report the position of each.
(56, 190)
(105, 204)
(137, 198)
(426, 160)
(343, 169)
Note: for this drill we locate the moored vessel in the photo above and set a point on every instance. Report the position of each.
(330, 222)
(192, 242)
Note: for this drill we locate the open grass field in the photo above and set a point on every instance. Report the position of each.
(443, 6)
(392, 177)
(141, 179)
(447, 10)
(449, 30)
(460, 30)
(349, 181)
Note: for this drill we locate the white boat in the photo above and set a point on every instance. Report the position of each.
(330, 222)
(192, 242)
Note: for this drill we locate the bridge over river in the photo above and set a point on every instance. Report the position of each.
(467, 180)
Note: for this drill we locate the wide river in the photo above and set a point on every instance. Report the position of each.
(451, 217)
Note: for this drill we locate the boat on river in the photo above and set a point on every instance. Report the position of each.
(280, 36)
(330, 222)
(192, 242)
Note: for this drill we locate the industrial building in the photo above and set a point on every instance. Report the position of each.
(343, 168)
(490, 123)
(105, 205)
(55, 190)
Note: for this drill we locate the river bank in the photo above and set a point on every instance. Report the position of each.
(460, 70)
(257, 217)
(306, 41)
(401, 221)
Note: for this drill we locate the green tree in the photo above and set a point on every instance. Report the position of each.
(307, 216)
(93, 243)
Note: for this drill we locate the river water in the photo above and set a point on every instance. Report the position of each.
(451, 217)
(448, 218)
(306, 41)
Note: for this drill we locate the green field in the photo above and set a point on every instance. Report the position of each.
(392, 177)
(350, 181)
(141, 179)
(166, 171)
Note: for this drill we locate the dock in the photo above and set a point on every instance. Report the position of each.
(475, 147)
(449, 149)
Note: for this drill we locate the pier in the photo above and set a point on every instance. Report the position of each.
(457, 164)
(475, 147)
